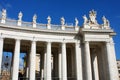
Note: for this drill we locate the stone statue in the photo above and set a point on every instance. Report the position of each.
(105, 21)
(76, 22)
(92, 15)
(3, 14)
(20, 16)
(108, 23)
(49, 19)
(34, 18)
(85, 19)
(62, 21)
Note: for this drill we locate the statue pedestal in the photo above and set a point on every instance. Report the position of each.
(34, 25)
(48, 26)
(76, 28)
(86, 26)
(19, 23)
(3, 21)
(63, 27)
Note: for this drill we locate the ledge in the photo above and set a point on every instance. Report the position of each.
(37, 29)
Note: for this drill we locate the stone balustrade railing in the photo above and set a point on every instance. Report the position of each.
(89, 23)
(11, 22)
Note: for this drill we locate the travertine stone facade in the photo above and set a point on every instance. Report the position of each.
(66, 52)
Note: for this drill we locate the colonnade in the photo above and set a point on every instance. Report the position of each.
(62, 71)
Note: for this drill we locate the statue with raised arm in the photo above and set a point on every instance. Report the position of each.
(62, 21)
(92, 15)
(34, 18)
(76, 22)
(20, 16)
(85, 19)
(3, 14)
(49, 19)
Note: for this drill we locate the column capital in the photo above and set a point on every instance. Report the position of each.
(17, 39)
(1, 38)
(48, 42)
(33, 41)
(86, 42)
(78, 42)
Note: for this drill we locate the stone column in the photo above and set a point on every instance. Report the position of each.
(1, 52)
(88, 61)
(32, 61)
(64, 62)
(112, 66)
(44, 66)
(48, 61)
(27, 64)
(78, 61)
(15, 70)
(59, 62)
(95, 65)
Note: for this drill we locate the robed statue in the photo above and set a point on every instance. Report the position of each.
(3, 14)
(76, 22)
(62, 21)
(20, 16)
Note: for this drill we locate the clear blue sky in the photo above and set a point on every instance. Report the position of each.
(67, 8)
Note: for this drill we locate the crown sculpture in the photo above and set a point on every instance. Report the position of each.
(89, 23)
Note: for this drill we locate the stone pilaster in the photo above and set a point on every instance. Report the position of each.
(16, 60)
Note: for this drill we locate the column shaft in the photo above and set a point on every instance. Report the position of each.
(48, 60)
(42, 66)
(59, 61)
(1, 52)
(78, 61)
(32, 61)
(16, 60)
(44, 72)
(64, 62)
(88, 62)
(95, 66)
(112, 67)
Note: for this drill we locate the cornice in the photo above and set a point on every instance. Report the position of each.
(20, 28)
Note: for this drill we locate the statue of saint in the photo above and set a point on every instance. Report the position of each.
(85, 19)
(20, 16)
(105, 21)
(76, 22)
(62, 21)
(3, 14)
(108, 23)
(92, 15)
(49, 20)
(34, 18)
